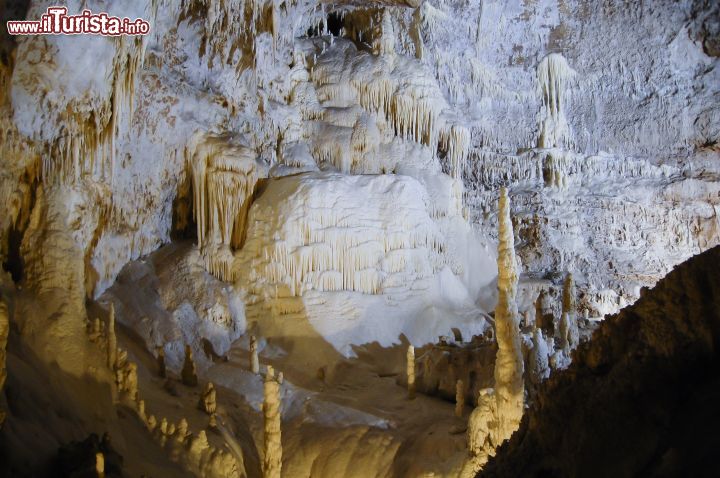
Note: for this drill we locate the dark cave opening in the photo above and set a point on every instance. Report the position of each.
(335, 24)
(183, 219)
(14, 263)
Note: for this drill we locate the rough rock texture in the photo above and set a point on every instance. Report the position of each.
(640, 397)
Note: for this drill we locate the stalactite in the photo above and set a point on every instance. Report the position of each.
(224, 178)
(384, 43)
(554, 75)
(555, 167)
(321, 249)
(455, 140)
(272, 456)
(85, 141)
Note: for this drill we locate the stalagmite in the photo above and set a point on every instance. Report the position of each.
(254, 361)
(568, 303)
(459, 398)
(207, 402)
(163, 431)
(100, 464)
(272, 456)
(509, 386)
(569, 333)
(181, 431)
(141, 411)
(188, 374)
(151, 423)
(482, 426)
(130, 380)
(411, 371)
(111, 339)
(499, 410)
(538, 360)
(564, 327)
(528, 320)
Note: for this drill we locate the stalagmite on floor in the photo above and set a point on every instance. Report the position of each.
(272, 451)
(499, 410)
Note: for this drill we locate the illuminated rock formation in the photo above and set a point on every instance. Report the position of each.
(410, 370)
(499, 410)
(509, 388)
(272, 449)
(544, 318)
(254, 361)
(100, 464)
(482, 433)
(224, 176)
(207, 401)
(538, 359)
(127, 380)
(385, 40)
(553, 76)
(569, 334)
